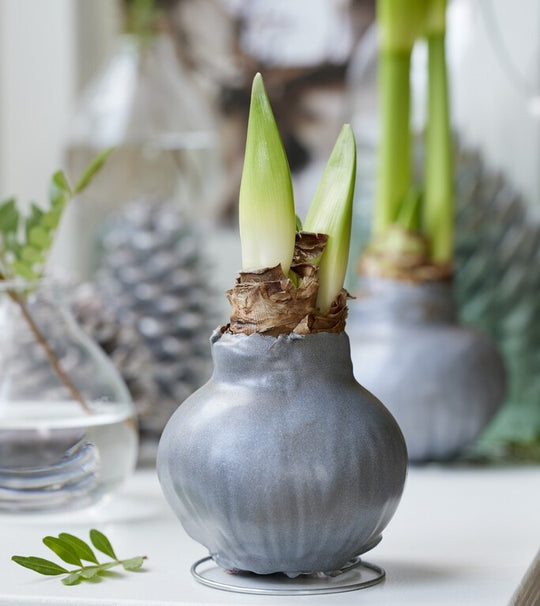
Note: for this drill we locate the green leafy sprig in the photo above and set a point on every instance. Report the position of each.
(75, 551)
(25, 243)
(27, 240)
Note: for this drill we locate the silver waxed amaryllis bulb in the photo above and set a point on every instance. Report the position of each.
(282, 462)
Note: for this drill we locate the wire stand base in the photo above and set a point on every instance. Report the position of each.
(357, 574)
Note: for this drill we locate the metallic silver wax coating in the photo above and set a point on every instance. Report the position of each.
(443, 382)
(282, 462)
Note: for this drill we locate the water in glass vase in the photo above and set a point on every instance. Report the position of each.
(67, 423)
(54, 455)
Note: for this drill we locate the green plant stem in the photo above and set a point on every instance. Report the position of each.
(51, 356)
(394, 164)
(409, 213)
(91, 570)
(438, 210)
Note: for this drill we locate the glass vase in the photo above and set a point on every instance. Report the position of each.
(141, 224)
(67, 425)
(145, 104)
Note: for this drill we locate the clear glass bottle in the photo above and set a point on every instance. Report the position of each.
(147, 106)
(68, 433)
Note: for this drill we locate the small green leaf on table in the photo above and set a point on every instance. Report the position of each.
(40, 565)
(81, 548)
(73, 550)
(133, 563)
(63, 550)
(102, 543)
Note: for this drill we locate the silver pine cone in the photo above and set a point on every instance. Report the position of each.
(150, 309)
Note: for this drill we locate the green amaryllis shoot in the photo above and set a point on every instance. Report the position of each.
(438, 211)
(399, 23)
(266, 205)
(330, 213)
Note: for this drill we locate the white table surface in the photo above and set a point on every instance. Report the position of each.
(461, 536)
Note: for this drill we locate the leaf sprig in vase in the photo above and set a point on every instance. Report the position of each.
(25, 243)
(27, 240)
(67, 423)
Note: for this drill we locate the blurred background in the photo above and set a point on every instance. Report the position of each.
(167, 83)
(50, 51)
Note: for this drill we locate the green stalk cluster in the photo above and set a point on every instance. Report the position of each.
(267, 218)
(399, 201)
(25, 243)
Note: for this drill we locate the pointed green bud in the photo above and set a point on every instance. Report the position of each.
(330, 213)
(266, 205)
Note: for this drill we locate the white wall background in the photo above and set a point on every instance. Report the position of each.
(496, 80)
(49, 48)
(37, 70)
